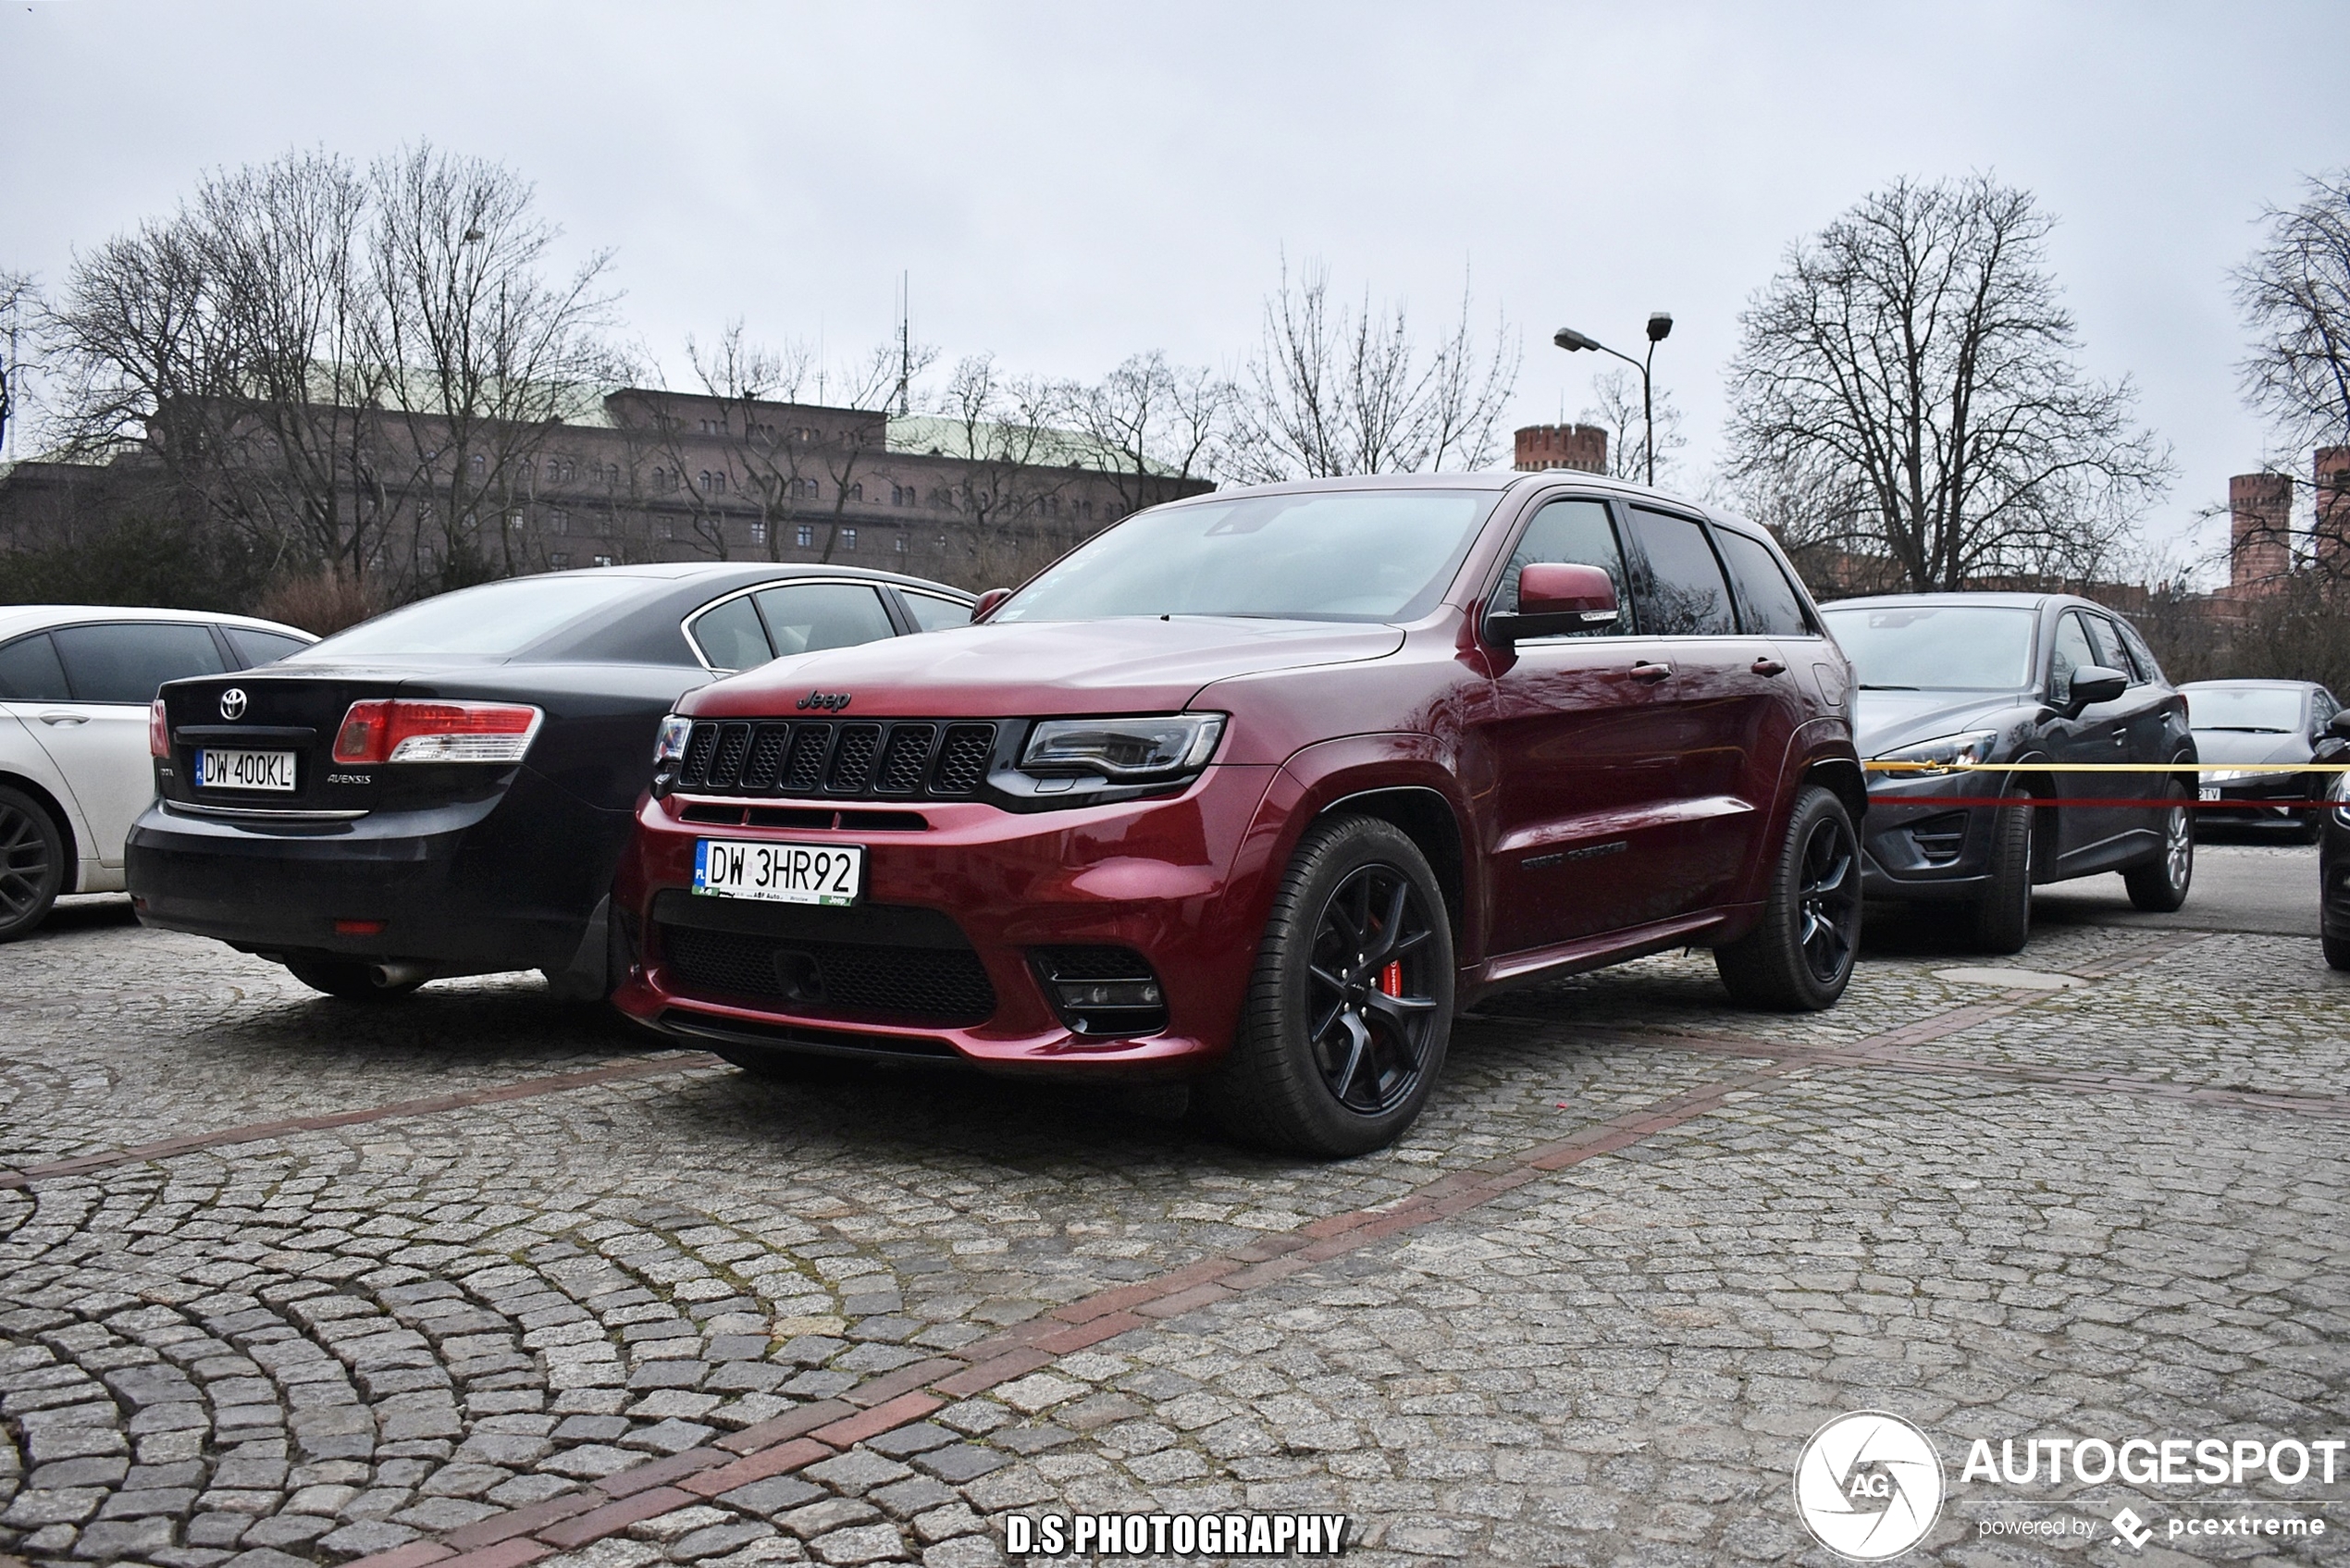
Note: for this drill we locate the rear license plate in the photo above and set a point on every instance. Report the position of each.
(780, 873)
(245, 770)
(2209, 792)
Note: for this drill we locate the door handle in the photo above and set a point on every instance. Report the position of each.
(1766, 665)
(65, 718)
(1647, 670)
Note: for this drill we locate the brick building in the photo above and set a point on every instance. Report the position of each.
(1580, 446)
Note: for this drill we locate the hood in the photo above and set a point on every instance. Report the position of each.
(1886, 721)
(1133, 664)
(2251, 745)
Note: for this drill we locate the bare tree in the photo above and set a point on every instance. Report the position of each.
(1616, 409)
(1150, 423)
(488, 353)
(770, 469)
(2295, 293)
(1332, 390)
(1913, 370)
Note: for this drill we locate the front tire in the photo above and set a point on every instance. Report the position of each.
(351, 980)
(2002, 917)
(33, 864)
(2337, 951)
(2161, 885)
(1800, 957)
(1350, 1009)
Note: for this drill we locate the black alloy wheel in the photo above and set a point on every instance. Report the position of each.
(1800, 957)
(1350, 1009)
(33, 864)
(1371, 999)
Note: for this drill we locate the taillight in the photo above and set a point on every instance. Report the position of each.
(159, 730)
(397, 730)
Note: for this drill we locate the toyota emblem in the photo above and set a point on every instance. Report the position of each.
(233, 703)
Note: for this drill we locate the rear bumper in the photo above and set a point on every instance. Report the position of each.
(1180, 882)
(506, 884)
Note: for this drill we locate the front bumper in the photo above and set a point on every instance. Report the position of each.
(1914, 846)
(2277, 801)
(1179, 880)
(2334, 876)
(504, 882)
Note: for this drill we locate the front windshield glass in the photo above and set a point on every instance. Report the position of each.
(2267, 710)
(1937, 648)
(494, 620)
(1328, 555)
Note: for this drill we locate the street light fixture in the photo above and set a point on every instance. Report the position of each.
(1660, 328)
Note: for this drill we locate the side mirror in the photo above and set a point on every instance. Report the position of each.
(988, 602)
(2339, 725)
(2093, 684)
(1553, 596)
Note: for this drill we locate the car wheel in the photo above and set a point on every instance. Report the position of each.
(33, 864)
(1800, 958)
(2337, 951)
(353, 979)
(2161, 883)
(1350, 1009)
(2001, 921)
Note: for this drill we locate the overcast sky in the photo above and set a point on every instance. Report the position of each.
(1068, 184)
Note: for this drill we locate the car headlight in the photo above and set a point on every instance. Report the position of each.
(669, 746)
(2339, 792)
(1930, 758)
(1127, 751)
(2231, 775)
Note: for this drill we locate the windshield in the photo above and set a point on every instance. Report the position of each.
(2267, 710)
(495, 621)
(1341, 555)
(1937, 648)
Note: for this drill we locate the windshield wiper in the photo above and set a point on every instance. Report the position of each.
(1869, 685)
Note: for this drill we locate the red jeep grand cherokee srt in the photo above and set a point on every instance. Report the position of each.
(1258, 790)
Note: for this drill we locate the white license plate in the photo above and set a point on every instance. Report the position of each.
(780, 873)
(2209, 792)
(245, 770)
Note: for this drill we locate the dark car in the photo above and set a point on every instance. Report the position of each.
(2260, 724)
(444, 790)
(1257, 789)
(2334, 843)
(2027, 680)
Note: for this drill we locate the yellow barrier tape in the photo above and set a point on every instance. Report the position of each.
(2107, 767)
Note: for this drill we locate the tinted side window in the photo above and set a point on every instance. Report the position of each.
(1681, 591)
(262, 648)
(2147, 668)
(2110, 654)
(1772, 603)
(933, 614)
(126, 662)
(2071, 651)
(805, 617)
(731, 637)
(1577, 532)
(29, 671)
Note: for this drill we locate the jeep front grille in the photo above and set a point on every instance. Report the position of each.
(867, 758)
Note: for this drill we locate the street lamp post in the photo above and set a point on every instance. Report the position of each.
(1660, 328)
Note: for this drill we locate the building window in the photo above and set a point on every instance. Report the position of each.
(603, 560)
(901, 544)
(558, 558)
(856, 492)
(559, 521)
(848, 538)
(759, 533)
(942, 541)
(806, 538)
(669, 527)
(514, 520)
(479, 466)
(718, 483)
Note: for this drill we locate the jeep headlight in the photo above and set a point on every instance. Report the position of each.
(670, 744)
(2340, 795)
(1946, 754)
(1127, 751)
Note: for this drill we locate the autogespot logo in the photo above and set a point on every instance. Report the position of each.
(1868, 1486)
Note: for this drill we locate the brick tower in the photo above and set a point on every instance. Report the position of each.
(2259, 532)
(1581, 447)
(2330, 535)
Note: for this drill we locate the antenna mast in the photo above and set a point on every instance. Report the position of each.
(905, 341)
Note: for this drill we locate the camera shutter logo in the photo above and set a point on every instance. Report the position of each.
(1868, 1486)
(233, 703)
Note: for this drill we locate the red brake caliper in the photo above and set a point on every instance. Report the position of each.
(1390, 979)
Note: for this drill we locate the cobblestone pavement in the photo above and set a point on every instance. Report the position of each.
(480, 1280)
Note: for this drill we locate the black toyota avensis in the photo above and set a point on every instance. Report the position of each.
(1950, 679)
(446, 789)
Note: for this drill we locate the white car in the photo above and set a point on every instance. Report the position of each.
(76, 683)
